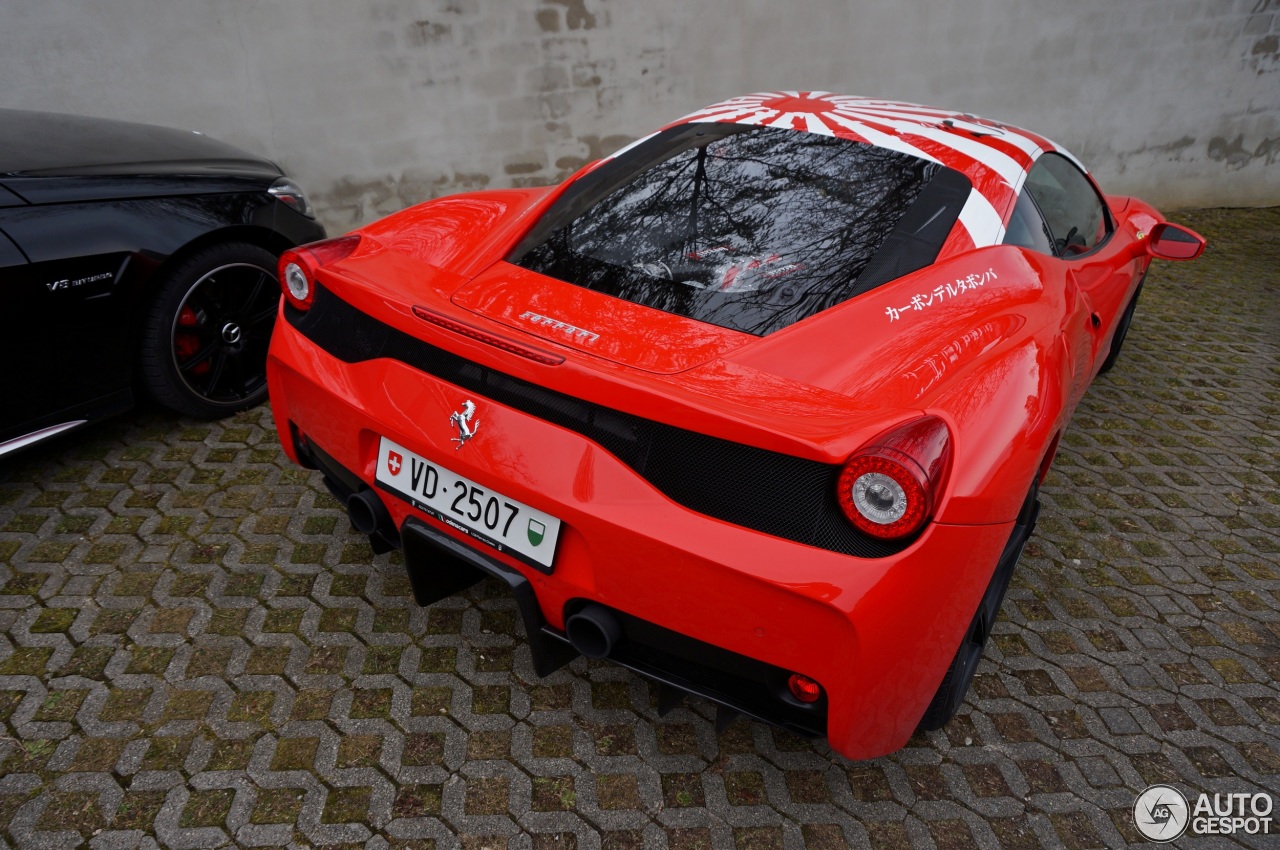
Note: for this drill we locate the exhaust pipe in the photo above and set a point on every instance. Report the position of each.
(593, 631)
(368, 514)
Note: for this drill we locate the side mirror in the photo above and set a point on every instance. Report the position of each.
(1171, 242)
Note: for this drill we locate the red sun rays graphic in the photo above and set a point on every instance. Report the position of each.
(802, 103)
(794, 111)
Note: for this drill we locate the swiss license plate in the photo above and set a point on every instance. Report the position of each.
(486, 516)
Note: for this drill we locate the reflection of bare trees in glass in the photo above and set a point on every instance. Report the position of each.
(752, 231)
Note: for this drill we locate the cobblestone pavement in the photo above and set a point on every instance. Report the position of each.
(196, 650)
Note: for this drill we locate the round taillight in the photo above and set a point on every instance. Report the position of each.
(803, 688)
(888, 489)
(298, 266)
(884, 495)
(295, 279)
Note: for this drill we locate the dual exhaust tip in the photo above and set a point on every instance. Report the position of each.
(368, 514)
(593, 631)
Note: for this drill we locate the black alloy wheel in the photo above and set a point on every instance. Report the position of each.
(1122, 330)
(205, 335)
(955, 683)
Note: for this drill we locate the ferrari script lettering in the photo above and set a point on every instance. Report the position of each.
(571, 330)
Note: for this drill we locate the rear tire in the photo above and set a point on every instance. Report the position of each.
(955, 682)
(1117, 341)
(203, 346)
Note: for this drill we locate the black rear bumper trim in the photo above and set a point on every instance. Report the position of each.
(439, 566)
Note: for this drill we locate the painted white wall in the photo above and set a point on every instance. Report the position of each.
(377, 104)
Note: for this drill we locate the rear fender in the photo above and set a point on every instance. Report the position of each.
(1004, 420)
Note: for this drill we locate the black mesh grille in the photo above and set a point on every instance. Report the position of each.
(777, 494)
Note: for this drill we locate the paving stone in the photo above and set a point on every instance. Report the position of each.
(197, 650)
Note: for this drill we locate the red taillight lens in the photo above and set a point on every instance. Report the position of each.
(803, 688)
(889, 489)
(297, 267)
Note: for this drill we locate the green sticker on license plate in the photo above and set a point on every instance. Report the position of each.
(536, 532)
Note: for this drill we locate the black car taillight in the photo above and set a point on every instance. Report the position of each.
(889, 488)
(290, 193)
(297, 267)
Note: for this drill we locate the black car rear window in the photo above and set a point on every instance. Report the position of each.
(749, 228)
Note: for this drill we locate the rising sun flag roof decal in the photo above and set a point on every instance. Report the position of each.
(995, 156)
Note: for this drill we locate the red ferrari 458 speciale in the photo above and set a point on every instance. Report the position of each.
(758, 407)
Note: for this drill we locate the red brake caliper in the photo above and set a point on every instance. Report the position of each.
(187, 343)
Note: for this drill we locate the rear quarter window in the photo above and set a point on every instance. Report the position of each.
(1073, 210)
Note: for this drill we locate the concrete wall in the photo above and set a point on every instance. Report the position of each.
(377, 104)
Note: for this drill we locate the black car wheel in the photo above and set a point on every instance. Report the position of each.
(955, 683)
(1117, 341)
(205, 335)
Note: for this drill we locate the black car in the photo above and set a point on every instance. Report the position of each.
(134, 256)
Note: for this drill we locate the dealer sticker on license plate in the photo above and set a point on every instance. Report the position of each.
(489, 517)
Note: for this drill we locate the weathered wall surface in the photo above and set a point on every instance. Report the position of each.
(376, 105)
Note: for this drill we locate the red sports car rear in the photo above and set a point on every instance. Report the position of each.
(758, 407)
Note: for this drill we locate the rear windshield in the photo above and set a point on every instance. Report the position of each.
(747, 228)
